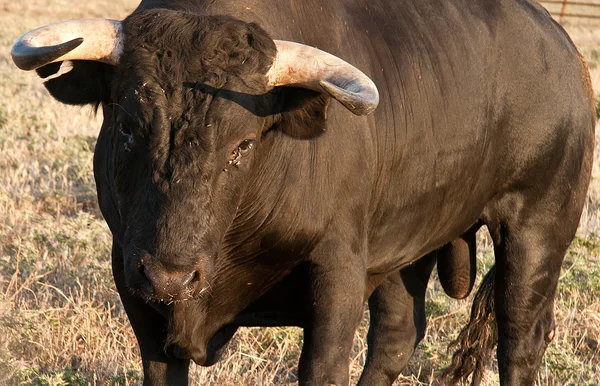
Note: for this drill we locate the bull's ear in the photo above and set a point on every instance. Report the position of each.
(87, 82)
(302, 112)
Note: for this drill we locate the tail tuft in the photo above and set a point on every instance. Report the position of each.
(475, 343)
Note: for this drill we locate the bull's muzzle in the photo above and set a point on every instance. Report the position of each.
(169, 286)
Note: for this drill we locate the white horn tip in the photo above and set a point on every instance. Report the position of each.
(359, 99)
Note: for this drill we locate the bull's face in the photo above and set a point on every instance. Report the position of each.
(187, 100)
(186, 124)
(179, 179)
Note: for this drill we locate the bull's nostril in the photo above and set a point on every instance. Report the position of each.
(191, 279)
(146, 284)
(167, 285)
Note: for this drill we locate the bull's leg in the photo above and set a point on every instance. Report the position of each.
(150, 329)
(337, 287)
(398, 322)
(531, 238)
(528, 265)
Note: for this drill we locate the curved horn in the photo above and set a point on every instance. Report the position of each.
(81, 39)
(309, 67)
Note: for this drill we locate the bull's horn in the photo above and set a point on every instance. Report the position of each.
(308, 67)
(82, 39)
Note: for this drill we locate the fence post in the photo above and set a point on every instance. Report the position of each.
(562, 11)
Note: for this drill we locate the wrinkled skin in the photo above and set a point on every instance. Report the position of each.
(251, 205)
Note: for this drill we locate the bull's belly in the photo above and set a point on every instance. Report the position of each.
(403, 236)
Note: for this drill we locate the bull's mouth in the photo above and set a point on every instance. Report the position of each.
(166, 300)
(202, 328)
(170, 298)
(206, 354)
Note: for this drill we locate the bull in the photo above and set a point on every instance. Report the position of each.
(239, 194)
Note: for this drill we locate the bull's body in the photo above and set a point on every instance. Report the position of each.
(484, 118)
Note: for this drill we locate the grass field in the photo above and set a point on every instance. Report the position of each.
(61, 321)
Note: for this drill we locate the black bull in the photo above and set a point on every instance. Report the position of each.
(240, 204)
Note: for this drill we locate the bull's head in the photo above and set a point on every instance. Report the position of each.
(187, 101)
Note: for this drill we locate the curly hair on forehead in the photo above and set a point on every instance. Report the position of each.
(169, 56)
(183, 47)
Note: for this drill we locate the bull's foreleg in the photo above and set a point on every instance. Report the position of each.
(150, 329)
(337, 286)
(398, 322)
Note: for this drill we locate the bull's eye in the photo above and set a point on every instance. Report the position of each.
(245, 147)
(242, 150)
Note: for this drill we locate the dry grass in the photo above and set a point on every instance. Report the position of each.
(61, 321)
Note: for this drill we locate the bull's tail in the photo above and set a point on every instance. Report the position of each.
(475, 343)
